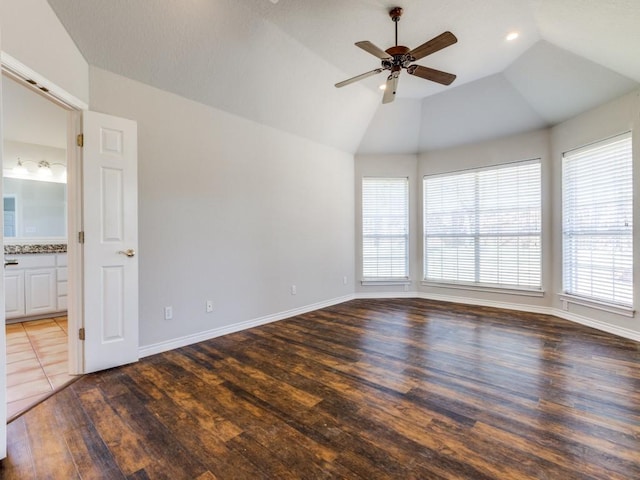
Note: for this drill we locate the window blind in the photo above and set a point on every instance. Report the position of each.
(483, 226)
(597, 207)
(385, 228)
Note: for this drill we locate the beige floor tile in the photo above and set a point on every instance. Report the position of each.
(18, 406)
(58, 368)
(28, 389)
(23, 366)
(14, 327)
(26, 376)
(32, 348)
(50, 351)
(23, 355)
(48, 341)
(59, 381)
(18, 343)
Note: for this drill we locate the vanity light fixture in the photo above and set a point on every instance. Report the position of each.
(20, 169)
(44, 168)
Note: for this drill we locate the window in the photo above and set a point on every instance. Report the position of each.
(385, 228)
(483, 226)
(597, 197)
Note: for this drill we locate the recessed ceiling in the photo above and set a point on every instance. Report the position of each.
(276, 63)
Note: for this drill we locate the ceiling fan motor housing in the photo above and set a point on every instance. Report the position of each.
(400, 58)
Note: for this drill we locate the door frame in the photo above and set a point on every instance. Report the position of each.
(74, 106)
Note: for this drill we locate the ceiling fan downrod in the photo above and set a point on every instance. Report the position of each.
(395, 14)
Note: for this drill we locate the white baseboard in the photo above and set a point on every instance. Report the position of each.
(605, 327)
(572, 317)
(155, 348)
(147, 350)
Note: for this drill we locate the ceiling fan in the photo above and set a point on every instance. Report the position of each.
(398, 57)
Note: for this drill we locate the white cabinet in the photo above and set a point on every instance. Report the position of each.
(40, 294)
(32, 286)
(14, 293)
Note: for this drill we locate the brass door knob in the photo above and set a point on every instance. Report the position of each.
(129, 252)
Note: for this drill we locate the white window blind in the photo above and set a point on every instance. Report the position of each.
(483, 226)
(385, 228)
(597, 207)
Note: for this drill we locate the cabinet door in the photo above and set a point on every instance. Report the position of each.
(14, 293)
(40, 291)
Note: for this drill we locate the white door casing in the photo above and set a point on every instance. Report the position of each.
(110, 224)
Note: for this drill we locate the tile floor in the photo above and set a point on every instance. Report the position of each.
(36, 362)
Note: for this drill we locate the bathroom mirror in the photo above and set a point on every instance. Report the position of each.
(34, 210)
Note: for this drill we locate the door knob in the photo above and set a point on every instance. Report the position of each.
(129, 252)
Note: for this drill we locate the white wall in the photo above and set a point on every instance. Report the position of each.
(32, 34)
(230, 210)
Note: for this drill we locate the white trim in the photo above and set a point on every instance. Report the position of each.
(21, 72)
(598, 305)
(147, 350)
(603, 326)
(375, 295)
(486, 288)
(384, 282)
(487, 303)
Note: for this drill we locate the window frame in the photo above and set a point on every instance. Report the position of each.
(477, 236)
(386, 279)
(570, 293)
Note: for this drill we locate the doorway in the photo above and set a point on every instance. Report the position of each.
(35, 220)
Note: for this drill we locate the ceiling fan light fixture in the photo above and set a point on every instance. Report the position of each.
(511, 36)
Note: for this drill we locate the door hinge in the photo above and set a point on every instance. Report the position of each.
(80, 140)
(80, 237)
(81, 333)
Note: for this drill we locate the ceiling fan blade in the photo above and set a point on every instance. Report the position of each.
(358, 77)
(435, 44)
(390, 88)
(431, 74)
(367, 46)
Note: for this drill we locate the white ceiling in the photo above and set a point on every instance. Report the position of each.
(276, 63)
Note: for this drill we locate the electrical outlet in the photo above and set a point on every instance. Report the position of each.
(168, 313)
(209, 306)
(294, 290)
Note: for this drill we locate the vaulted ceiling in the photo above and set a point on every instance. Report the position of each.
(275, 62)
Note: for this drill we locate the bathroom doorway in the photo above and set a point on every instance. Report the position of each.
(35, 238)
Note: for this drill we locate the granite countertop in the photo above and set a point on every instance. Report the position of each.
(35, 248)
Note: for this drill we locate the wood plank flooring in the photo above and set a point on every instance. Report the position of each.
(368, 389)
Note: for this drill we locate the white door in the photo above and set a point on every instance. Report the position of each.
(110, 224)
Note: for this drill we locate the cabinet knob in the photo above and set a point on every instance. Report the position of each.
(129, 252)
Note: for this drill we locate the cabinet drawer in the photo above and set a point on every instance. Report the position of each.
(32, 261)
(61, 259)
(62, 274)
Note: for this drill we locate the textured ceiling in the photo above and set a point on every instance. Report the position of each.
(276, 63)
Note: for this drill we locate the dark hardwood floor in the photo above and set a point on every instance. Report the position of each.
(369, 389)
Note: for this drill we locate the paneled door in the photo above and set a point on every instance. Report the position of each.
(110, 223)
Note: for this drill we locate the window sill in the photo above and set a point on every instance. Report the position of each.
(529, 292)
(567, 299)
(384, 281)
